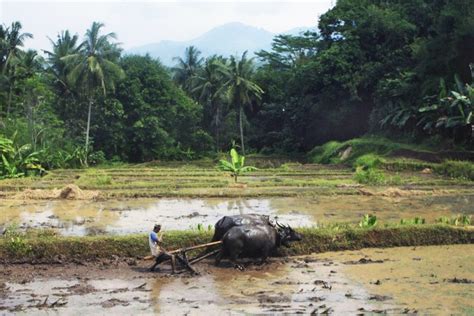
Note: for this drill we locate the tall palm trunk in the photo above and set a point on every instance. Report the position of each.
(241, 129)
(217, 127)
(10, 94)
(88, 127)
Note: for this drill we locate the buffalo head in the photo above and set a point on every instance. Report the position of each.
(287, 234)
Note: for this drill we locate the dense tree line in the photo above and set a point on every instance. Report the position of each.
(389, 67)
(374, 66)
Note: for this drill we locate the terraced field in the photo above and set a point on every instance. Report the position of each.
(202, 179)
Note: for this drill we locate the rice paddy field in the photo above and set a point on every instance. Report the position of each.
(129, 198)
(76, 238)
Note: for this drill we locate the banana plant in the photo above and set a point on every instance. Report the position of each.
(368, 221)
(236, 166)
(452, 110)
(17, 161)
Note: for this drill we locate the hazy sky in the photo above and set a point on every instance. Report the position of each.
(148, 21)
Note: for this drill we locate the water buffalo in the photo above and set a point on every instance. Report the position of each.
(227, 222)
(255, 241)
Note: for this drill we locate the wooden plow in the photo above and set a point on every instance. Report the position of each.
(181, 256)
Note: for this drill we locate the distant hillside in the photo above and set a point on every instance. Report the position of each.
(228, 39)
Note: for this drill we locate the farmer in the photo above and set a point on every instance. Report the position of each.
(155, 240)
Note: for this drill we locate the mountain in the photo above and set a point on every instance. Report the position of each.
(228, 39)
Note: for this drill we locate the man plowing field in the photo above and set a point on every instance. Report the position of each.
(155, 241)
(249, 235)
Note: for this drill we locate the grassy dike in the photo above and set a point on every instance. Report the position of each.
(55, 249)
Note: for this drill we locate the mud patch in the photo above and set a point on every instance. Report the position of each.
(461, 281)
(114, 302)
(316, 284)
(364, 261)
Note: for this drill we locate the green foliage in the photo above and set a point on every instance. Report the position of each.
(456, 169)
(162, 123)
(450, 112)
(368, 221)
(240, 87)
(370, 63)
(16, 243)
(18, 246)
(236, 166)
(96, 158)
(369, 176)
(16, 160)
(95, 178)
(413, 221)
(200, 228)
(46, 249)
(368, 161)
(370, 145)
(459, 220)
(326, 153)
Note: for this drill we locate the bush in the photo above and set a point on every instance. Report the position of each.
(96, 158)
(326, 153)
(368, 221)
(331, 151)
(369, 176)
(456, 169)
(458, 220)
(414, 221)
(368, 161)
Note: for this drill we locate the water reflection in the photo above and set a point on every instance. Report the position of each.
(139, 215)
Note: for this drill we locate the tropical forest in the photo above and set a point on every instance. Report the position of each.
(343, 152)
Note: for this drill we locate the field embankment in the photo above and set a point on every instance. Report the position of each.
(202, 179)
(55, 249)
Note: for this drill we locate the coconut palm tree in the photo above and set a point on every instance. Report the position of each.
(93, 68)
(207, 85)
(187, 68)
(65, 44)
(11, 39)
(240, 87)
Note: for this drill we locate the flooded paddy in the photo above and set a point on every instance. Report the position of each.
(86, 217)
(426, 280)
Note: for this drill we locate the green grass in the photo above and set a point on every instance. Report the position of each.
(330, 152)
(368, 161)
(46, 248)
(289, 179)
(456, 169)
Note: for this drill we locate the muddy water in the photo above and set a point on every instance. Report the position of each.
(397, 280)
(138, 215)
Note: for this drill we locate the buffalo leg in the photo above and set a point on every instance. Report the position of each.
(219, 257)
(233, 258)
(264, 257)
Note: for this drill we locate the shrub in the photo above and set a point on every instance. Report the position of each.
(370, 176)
(458, 220)
(368, 161)
(456, 169)
(368, 221)
(330, 152)
(413, 221)
(326, 153)
(96, 158)
(103, 180)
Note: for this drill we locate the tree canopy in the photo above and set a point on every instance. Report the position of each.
(393, 68)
